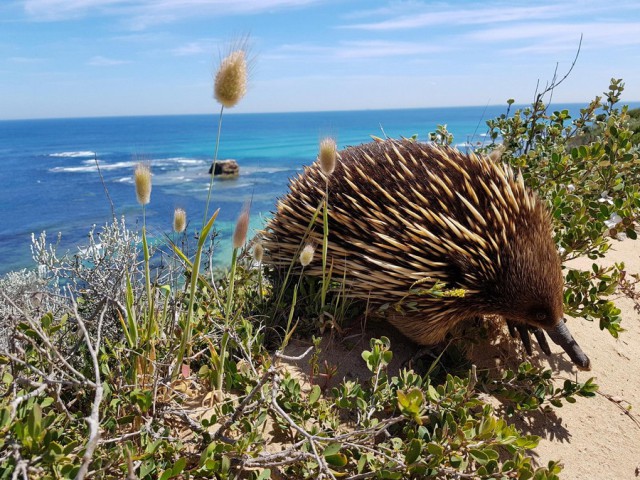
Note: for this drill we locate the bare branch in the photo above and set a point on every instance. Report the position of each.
(93, 420)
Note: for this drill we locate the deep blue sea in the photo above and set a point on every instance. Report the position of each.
(49, 181)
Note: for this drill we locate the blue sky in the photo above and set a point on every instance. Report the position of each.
(68, 58)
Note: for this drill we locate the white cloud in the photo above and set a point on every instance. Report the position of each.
(191, 48)
(563, 35)
(456, 16)
(143, 13)
(351, 50)
(195, 48)
(63, 9)
(99, 61)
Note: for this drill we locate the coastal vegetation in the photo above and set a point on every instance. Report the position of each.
(115, 365)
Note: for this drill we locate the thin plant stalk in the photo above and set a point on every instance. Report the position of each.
(325, 245)
(293, 259)
(185, 340)
(260, 282)
(147, 277)
(215, 159)
(228, 313)
(289, 331)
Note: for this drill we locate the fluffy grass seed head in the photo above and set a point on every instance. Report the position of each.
(242, 226)
(306, 256)
(258, 252)
(179, 220)
(231, 79)
(142, 178)
(327, 155)
(496, 153)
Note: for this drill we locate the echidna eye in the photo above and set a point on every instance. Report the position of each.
(541, 316)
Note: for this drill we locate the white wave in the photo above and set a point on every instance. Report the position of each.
(90, 166)
(184, 161)
(161, 163)
(253, 170)
(85, 153)
(73, 169)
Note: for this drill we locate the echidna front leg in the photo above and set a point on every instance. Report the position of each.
(559, 334)
(523, 331)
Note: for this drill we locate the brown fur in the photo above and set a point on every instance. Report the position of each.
(403, 215)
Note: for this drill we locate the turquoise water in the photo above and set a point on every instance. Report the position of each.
(50, 182)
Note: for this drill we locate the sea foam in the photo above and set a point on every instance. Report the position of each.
(80, 154)
(89, 166)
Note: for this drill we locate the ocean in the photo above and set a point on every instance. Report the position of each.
(49, 181)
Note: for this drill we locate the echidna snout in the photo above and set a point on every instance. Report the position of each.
(407, 219)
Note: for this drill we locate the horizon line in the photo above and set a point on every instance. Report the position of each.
(631, 103)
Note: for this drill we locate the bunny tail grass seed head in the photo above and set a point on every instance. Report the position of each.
(242, 225)
(258, 252)
(179, 220)
(306, 256)
(231, 79)
(327, 155)
(142, 178)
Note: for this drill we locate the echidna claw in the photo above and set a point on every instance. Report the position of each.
(512, 328)
(523, 330)
(542, 340)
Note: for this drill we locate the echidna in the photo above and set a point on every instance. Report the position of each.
(405, 216)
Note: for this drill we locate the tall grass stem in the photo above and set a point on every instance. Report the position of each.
(213, 167)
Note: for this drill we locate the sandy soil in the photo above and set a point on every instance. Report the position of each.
(600, 437)
(594, 438)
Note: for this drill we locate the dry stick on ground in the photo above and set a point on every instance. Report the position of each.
(74, 378)
(79, 377)
(257, 388)
(93, 420)
(629, 289)
(292, 454)
(617, 403)
(240, 409)
(325, 471)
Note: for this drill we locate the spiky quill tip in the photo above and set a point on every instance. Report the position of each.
(142, 179)
(179, 220)
(327, 155)
(231, 79)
